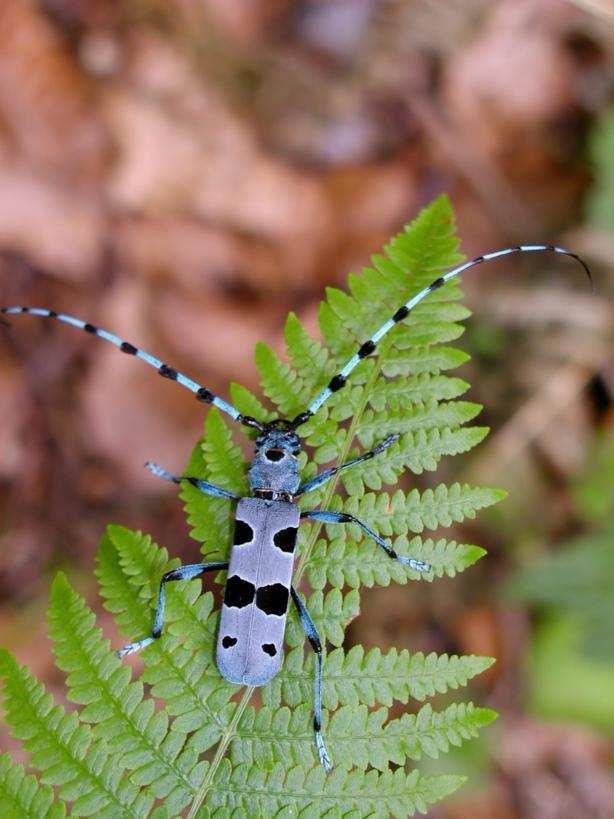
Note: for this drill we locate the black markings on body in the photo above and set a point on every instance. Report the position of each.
(243, 533)
(273, 599)
(274, 454)
(401, 313)
(285, 539)
(89, 328)
(168, 372)
(337, 382)
(205, 395)
(228, 642)
(239, 593)
(130, 349)
(269, 649)
(366, 349)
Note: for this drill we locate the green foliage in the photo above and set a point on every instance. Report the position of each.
(577, 580)
(179, 739)
(565, 683)
(600, 205)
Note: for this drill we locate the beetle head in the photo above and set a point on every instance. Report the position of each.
(275, 464)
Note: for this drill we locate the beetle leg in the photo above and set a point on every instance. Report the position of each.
(204, 486)
(327, 474)
(314, 638)
(188, 572)
(343, 517)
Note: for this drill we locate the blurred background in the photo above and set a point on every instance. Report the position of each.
(184, 172)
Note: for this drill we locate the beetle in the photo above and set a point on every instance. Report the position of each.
(259, 581)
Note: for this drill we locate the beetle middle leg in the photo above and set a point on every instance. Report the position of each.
(312, 635)
(188, 572)
(343, 517)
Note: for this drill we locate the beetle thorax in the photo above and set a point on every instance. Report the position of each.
(275, 464)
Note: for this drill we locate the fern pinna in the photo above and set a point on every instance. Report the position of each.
(193, 744)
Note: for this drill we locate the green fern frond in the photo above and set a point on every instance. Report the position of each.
(245, 790)
(415, 511)
(65, 751)
(372, 678)
(360, 738)
(200, 701)
(136, 747)
(139, 734)
(22, 795)
(340, 562)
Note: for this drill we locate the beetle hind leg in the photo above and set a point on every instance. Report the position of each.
(314, 638)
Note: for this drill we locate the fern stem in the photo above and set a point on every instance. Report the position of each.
(226, 739)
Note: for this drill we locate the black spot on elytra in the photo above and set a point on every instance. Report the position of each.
(228, 642)
(285, 539)
(401, 313)
(239, 593)
(243, 533)
(273, 599)
(269, 649)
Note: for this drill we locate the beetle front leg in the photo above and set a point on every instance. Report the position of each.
(323, 477)
(188, 572)
(204, 486)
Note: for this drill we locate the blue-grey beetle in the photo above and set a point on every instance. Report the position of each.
(259, 581)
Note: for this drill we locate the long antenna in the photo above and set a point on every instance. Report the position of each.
(202, 393)
(370, 345)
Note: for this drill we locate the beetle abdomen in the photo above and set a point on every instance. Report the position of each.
(253, 619)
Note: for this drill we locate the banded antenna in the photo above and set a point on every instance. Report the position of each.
(202, 393)
(370, 345)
